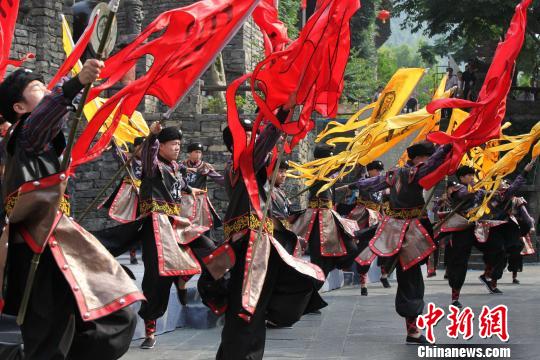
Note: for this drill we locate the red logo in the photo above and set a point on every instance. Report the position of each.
(491, 322)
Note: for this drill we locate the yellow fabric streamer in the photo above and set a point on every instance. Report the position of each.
(517, 148)
(396, 93)
(128, 128)
(371, 141)
(390, 103)
(433, 123)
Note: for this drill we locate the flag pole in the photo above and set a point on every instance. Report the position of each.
(113, 7)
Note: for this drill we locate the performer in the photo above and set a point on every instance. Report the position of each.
(405, 231)
(282, 217)
(526, 228)
(501, 231)
(442, 207)
(461, 231)
(265, 281)
(173, 248)
(330, 237)
(199, 209)
(123, 203)
(368, 213)
(79, 302)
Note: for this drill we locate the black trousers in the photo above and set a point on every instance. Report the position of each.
(53, 329)
(327, 263)
(503, 241)
(285, 297)
(458, 252)
(156, 288)
(410, 292)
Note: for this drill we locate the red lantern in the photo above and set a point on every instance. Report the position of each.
(383, 15)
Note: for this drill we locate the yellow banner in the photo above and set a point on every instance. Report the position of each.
(370, 142)
(396, 93)
(390, 103)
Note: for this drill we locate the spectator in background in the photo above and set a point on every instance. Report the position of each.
(452, 79)
(452, 82)
(459, 92)
(469, 80)
(412, 105)
(378, 94)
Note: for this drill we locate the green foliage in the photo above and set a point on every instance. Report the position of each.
(360, 82)
(215, 105)
(289, 14)
(466, 28)
(392, 58)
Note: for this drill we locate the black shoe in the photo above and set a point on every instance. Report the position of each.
(432, 274)
(148, 343)
(515, 281)
(385, 283)
(457, 304)
(133, 261)
(182, 296)
(316, 312)
(496, 291)
(271, 325)
(416, 341)
(445, 276)
(487, 283)
(363, 291)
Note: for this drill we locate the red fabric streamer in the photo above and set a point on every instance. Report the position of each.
(75, 55)
(191, 38)
(21, 61)
(274, 31)
(309, 74)
(8, 18)
(484, 121)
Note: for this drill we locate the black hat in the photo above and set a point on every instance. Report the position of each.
(194, 147)
(170, 133)
(247, 124)
(138, 141)
(375, 165)
(423, 148)
(284, 165)
(227, 134)
(464, 170)
(11, 91)
(451, 183)
(323, 151)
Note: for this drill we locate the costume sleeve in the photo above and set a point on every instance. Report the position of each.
(48, 118)
(149, 155)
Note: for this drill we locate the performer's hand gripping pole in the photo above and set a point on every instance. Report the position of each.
(113, 7)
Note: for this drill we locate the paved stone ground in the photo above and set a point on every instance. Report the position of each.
(356, 327)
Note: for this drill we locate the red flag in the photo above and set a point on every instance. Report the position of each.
(484, 121)
(274, 31)
(191, 38)
(309, 73)
(75, 55)
(8, 18)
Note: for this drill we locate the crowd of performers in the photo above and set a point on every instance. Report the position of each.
(264, 273)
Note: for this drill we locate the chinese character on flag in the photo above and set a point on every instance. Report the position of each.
(460, 323)
(494, 322)
(429, 320)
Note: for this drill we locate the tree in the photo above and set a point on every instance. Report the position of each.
(463, 27)
(289, 14)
